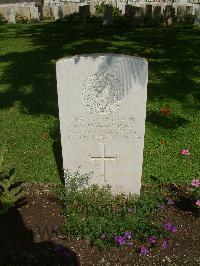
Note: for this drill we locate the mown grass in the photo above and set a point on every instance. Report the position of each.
(29, 124)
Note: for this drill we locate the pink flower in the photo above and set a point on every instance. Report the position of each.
(185, 152)
(198, 203)
(195, 182)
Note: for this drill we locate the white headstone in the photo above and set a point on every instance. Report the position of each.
(34, 12)
(169, 15)
(9, 13)
(107, 15)
(102, 109)
(197, 17)
(57, 12)
(181, 13)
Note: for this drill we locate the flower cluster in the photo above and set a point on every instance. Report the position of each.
(198, 203)
(153, 240)
(170, 227)
(165, 111)
(144, 250)
(165, 244)
(170, 201)
(196, 186)
(195, 182)
(185, 152)
(125, 239)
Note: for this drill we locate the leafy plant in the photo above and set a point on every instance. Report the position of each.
(95, 214)
(100, 10)
(2, 19)
(21, 19)
(33, 20)
(10, 193)
(73, 18)
(76, 181)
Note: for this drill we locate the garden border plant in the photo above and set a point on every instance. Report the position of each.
(93, 213)
(10, 192)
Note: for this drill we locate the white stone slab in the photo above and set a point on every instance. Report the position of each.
(102, 109)
(197, 17)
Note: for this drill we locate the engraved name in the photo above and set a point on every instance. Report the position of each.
(103, 128)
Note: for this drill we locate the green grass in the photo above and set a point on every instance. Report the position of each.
(29, 125)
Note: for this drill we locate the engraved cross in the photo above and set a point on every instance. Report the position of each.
(103, 158)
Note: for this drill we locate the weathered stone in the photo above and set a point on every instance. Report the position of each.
(197, 17)
(84, 11)
(157, 15)
(181, 13)
(58, 12)
(169, 16)
(102, 108)
(148, 14)
(107, 15)
(34, 12)
(189, 12)
(8, 13)
(135, 14)
(47, 12)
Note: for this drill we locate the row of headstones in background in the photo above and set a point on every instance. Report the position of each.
(9, 11)
(135, 13)
(157, 13)
(62, 10)
(197, 17)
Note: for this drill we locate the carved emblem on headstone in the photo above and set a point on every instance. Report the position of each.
(102, 93)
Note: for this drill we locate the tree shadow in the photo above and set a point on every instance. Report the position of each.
(19, 248)
(30, 76)
(167, 122)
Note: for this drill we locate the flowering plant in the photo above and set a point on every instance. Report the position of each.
(196, 191)
(165, 111)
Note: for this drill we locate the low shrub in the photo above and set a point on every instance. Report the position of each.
(73, 18)
(21, 19)
(100, 10)
(2, 19)
(10, 192)
(33, 20)
(95, 214)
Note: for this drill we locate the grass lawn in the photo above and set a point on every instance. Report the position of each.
(29, 124)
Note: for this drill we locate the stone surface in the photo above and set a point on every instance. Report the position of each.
(169, 15)
(47, 12)
(57, 12)
(135, 14)
(84, 11)
(107, 15)
(34, 12)
(181, 13)
(157, 15)
(138, 15)
(102, 109)
(197, 17)
(189, 12)
(8, 11)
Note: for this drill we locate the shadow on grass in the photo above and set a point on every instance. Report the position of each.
(29, 75)
(168, 122)
(173, 56)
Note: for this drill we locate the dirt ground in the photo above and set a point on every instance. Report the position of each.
(28, 236)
